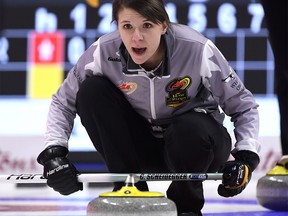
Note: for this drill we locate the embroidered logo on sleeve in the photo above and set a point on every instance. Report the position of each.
(128, 87)
(177, 91)
(234, 81)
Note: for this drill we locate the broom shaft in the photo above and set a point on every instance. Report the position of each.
(115, 177)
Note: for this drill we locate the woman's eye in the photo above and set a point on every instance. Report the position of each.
(147, 25)
(127, 26)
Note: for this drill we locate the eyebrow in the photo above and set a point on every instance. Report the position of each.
(127, 21)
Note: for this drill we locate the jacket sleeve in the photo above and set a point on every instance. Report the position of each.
(62, 111)
(232, 96)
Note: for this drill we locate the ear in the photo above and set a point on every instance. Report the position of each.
(164, 28)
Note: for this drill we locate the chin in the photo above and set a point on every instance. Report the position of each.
(139, 61)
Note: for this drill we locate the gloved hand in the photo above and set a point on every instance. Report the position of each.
(237, 173)
(61, 175)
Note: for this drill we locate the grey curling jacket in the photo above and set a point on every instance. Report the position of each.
(194, 76)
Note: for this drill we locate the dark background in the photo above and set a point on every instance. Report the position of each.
(18, 19)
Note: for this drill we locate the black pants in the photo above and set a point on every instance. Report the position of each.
(193, 142)
(277, 23)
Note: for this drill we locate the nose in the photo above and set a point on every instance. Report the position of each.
(137, 35)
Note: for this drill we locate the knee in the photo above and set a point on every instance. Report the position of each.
(92, 88)
(189, 125)
(92, 91)
(191, 133)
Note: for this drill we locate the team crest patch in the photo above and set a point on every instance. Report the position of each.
(177, 91)
(128, 87)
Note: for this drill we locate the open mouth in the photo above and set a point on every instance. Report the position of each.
(139, 51)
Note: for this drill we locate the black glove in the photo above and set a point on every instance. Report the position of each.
(237, 173)
(61, 175)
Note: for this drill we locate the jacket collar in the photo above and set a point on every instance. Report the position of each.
(130, 67)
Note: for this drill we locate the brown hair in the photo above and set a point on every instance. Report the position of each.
(153, 10)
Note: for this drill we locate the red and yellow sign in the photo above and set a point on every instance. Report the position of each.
(45, 70)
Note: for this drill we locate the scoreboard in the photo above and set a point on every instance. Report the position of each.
(41, 40)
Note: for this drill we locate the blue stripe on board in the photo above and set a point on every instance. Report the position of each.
(235, 201)
(45, 199)
(260, 213)
(75, 199)
(90, 167)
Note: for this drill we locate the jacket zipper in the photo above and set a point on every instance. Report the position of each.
(152, 93)
(152, 98)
